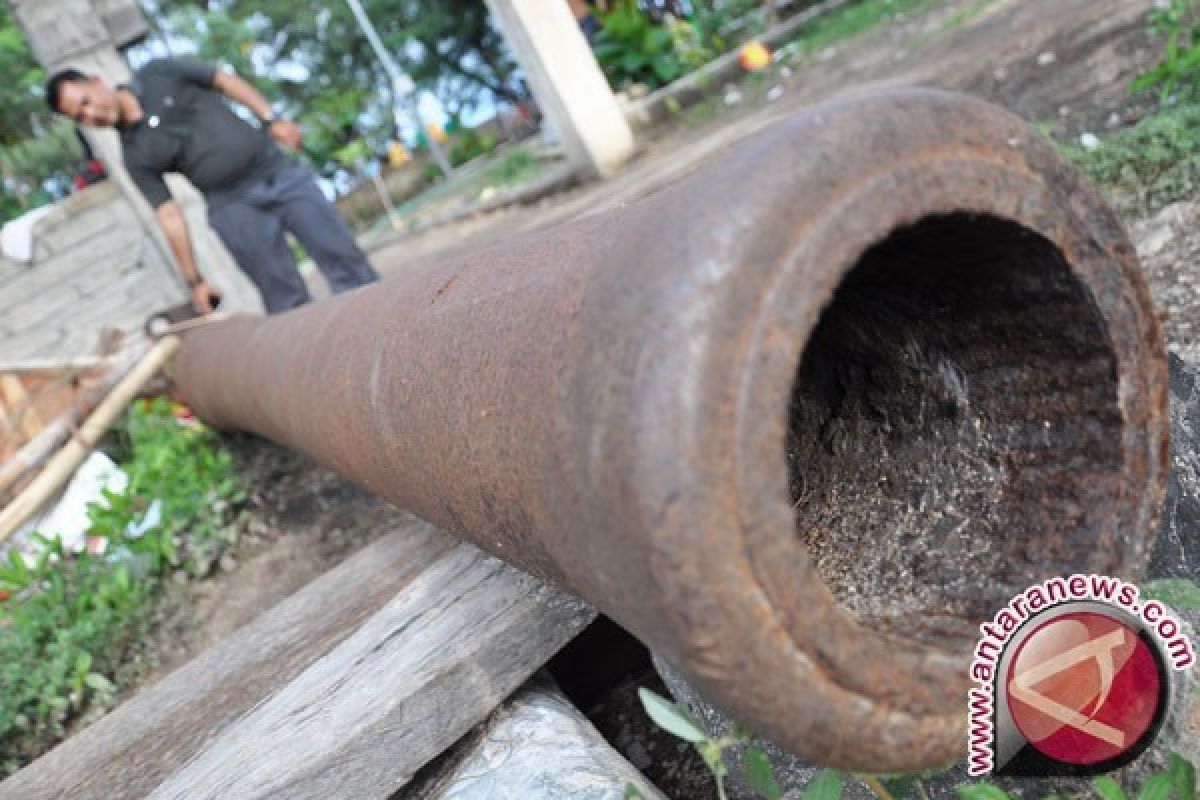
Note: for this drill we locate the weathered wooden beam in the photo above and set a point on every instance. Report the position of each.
(54, 366)
(133, 749)
(343, 690)
(409, 683)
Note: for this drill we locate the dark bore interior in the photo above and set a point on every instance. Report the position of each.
(954, 432)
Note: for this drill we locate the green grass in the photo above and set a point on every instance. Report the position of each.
(513, 168)
(68, 620)
(1151, 165)
(516, 167)
(963, 16)
(851, 20)
(951, 23)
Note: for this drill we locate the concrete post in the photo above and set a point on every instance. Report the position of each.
(78, 34)
(567, 81)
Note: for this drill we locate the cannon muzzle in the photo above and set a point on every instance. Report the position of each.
(800, 421)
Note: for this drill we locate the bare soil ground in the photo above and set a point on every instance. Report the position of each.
(991, 49)
(1066, 63)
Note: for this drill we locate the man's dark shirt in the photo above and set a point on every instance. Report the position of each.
(187, 127)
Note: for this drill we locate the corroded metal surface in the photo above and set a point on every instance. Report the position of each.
(798, 421)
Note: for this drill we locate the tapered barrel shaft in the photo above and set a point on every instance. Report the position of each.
(799, 421)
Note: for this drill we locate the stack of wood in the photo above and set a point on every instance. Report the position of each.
(355, 685)
(37, 469)
(35, 397)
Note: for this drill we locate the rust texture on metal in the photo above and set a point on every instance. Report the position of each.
(800, 421)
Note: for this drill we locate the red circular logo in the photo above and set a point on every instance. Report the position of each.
(1083, 688)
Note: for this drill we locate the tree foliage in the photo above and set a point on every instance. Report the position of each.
(313, 60)
(35, 146)
(21, 82)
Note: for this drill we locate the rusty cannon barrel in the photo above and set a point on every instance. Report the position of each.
(799, 421)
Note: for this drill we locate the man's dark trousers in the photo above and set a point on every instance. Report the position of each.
(252, 226)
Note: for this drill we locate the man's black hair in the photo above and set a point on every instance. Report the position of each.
(54, 85)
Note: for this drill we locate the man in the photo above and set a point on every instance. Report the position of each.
(173, 118)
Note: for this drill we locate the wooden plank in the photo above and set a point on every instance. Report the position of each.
(537, 746)
(74, 223)
(409, 683)
(56, 366)
(125, 308)
(132, 750)
(75, 272)
(77, 297)
(62, 466)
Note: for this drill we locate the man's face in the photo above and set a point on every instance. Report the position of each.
(90, 102)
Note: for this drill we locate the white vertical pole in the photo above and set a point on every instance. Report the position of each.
(567, 81)
(401, 84)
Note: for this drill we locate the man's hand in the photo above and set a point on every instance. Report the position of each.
(205, 297)
(287, 133)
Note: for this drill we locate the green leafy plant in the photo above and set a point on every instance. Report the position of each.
(630, 48)
(756, 766)
(64, 627)
(1176, 782)
(471, 144)
(719, 22)
(68, 619)
(1151, 165)
(982, 791)
(1179, 593)
(515, 167)
(690, 43)
(1181, 59)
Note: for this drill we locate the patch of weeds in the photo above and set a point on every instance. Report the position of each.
(704, 111)
(68, 619)
(178, 468)
(1157, 162)
(951, 23)
(471, 144)
(964, 15)
(1151, 165)
(1179, 593)
(62, 632)
(515, 167)
(850, 20)
(1179, 23)
(631, 48)
(757, 773)
(1176, 782)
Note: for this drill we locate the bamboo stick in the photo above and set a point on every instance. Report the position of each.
(40, 448)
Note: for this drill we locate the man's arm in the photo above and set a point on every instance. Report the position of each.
(175, 227)
(240, 91)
